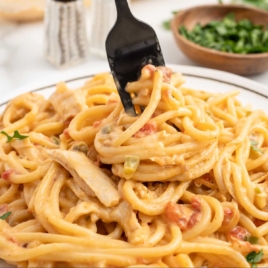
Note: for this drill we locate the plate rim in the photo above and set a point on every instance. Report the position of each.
(194, 71)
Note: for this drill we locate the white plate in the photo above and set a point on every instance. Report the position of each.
(197, 78)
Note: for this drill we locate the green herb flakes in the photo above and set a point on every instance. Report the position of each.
(5, 216)
(254, 257)
(254, 146)
(16, 135)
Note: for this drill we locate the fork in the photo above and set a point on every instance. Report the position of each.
(130, 45)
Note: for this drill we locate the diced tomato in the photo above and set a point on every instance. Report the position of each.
(196, 216)
(258, 222)
(167, 73)
(36, 144)
(228, 215)
(148, 129)
(239, 233)
(196, 203)
(7, 173)
(66, 133)
(149, 70)
(175, 214)
(96, 123)
(238, 237)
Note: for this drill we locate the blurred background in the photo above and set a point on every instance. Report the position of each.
(46, 40)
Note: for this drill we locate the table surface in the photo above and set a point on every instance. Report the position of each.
(22, 60)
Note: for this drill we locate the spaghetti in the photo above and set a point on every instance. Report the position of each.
(183, 184)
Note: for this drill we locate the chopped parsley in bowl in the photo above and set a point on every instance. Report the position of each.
(229, 35)
(231, 38)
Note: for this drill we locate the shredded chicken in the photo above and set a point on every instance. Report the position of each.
(67, 103)
(123, 213)
(26, 149)
(84, 172)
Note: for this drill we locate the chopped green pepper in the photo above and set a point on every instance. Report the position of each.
(252, 239)
(131, 164)
(81, 147)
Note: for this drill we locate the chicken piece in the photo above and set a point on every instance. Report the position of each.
(84, 171)
(28, 150)
(67, 103)
(123, 213)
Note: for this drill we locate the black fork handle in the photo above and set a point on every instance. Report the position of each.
(123, 9)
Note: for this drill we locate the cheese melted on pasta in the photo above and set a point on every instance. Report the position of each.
(183, 184)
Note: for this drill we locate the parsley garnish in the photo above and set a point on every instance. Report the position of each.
(254, 257)
(16, 135)
(229, 35)
(254, 146)
(5, 216)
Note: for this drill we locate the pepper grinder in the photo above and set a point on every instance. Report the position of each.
(65, 32)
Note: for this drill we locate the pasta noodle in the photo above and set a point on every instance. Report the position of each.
(182, 184)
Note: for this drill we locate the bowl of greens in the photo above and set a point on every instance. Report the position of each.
(232, 38)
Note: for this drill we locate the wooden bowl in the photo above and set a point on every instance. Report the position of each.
(231, 62)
